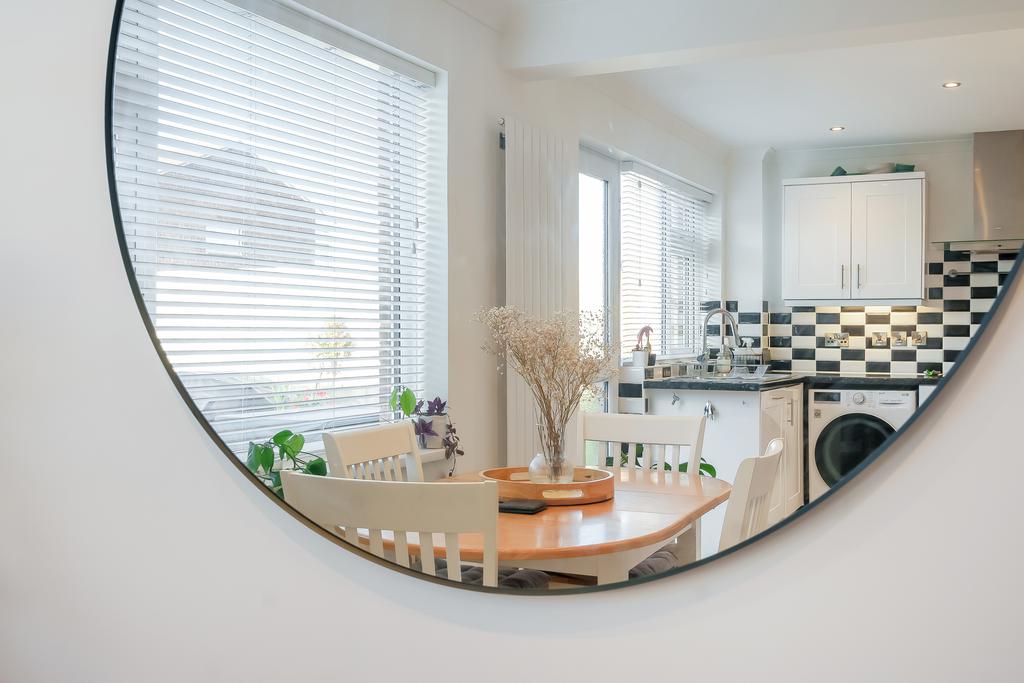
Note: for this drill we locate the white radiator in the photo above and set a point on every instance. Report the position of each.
(541, 254)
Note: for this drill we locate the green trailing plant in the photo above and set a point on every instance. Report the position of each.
(706, 468)
(284, 447)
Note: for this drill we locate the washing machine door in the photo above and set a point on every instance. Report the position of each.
(846, 442)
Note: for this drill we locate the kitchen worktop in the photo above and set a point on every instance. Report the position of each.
(834, 380)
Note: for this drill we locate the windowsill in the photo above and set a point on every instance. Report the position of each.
(431, 454)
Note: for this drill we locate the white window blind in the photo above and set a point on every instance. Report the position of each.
(664, 263)
(272, 193)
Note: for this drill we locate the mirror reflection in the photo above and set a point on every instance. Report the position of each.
(518, 305)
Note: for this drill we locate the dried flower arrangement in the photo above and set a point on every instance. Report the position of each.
(561, 359)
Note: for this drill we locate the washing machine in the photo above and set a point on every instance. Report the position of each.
(844, 427)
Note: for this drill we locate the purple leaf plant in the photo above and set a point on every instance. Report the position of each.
(424, 427)
(435, 407)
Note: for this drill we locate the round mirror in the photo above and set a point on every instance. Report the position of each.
(511, 296)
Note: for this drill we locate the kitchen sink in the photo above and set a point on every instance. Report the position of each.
(767, 378)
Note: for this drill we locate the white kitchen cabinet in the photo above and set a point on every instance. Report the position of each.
(816, 241)
(854, 239)
(782, 418)
(744, 422)
(887, 232)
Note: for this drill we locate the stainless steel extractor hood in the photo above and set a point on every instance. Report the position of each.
(998, 193)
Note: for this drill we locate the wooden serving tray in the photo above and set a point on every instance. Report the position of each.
(588, 486)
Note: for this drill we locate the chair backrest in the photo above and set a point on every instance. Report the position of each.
(375, 453)
(346, 506)
(747, 512)
(666, 439)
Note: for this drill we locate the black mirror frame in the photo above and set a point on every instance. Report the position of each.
(130, 272)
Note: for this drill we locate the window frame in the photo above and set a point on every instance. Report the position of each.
(671, 183)
(433, 357)
(603, 167)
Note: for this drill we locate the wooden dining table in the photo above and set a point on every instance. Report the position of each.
(651, 509)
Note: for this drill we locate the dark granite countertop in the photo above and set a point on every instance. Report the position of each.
(841, 380)
(767, 383)
(834, 380)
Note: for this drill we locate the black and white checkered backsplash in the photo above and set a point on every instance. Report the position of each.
(960, 290)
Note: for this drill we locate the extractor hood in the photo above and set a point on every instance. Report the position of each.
(998, 193)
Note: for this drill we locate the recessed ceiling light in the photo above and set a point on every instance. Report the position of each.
(949, 85)
(836, 129)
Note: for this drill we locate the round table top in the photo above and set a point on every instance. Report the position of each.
(649, 506)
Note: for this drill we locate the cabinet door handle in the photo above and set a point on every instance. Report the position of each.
(790, 406)
(858, 276)
(842, 276)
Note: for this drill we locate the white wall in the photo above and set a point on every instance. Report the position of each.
(949, 165)
(133, 551)
(772, 234)
(744, 219)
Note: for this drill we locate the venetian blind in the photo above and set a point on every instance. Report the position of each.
(272, 195)
(664, 255)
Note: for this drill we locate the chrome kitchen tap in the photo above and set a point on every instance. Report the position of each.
(726, 317)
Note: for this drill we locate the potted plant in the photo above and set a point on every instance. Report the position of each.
(561, 359)
(643, 354)
(432, 422)
(429, 419)
(279, 452)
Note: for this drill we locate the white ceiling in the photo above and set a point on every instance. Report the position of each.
(881, 93)
(496, 13)
(752, 76)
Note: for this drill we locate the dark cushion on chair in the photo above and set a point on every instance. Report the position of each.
(521, 578)
(659, 562)
(507, 578)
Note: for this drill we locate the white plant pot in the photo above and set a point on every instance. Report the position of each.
(440, 423)
(640, 359)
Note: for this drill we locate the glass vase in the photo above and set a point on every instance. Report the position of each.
(550, 466)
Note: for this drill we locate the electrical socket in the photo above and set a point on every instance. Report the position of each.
(837, 339)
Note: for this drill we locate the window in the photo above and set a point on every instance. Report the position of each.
(593, 241)
(665, 275)
(598, 229)
(273, 187)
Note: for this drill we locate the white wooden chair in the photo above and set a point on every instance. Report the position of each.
(747, 512)
(666, 439)
(377, 453)
(344, 506)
